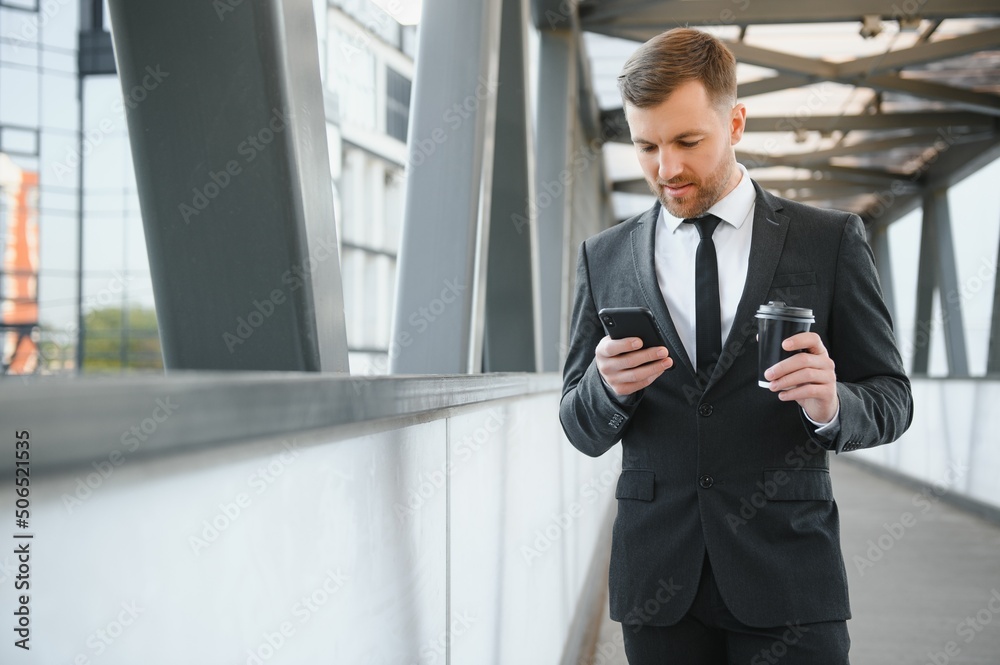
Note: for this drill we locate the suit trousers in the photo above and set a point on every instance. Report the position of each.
(710, 635)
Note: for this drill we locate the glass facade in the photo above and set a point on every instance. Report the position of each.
(64, 149)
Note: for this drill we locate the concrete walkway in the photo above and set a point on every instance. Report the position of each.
(924, 577)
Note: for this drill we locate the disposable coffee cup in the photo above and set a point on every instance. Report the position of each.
(776, 322)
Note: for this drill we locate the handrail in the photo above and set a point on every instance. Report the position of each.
(76, 421)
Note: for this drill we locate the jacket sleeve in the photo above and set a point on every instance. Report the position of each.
(593, 417)
(876, 405)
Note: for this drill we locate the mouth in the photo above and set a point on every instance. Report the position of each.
(677, 191)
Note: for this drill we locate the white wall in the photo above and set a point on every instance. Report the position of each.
(953, 441)
(445, 532)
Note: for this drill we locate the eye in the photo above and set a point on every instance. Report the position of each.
(647, 148)
(689, 144)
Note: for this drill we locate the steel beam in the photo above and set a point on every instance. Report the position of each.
(937, 232)
(879, 241)
(809, 159)
(927, 282)
(980, 102)
(228, 140)
(782, 62)
(993, 355)
(942, 121)
(922, 53)
(772, 84)
(816, 69)
(509, 337)
(437, 324)
(653, 16)
(557, 109)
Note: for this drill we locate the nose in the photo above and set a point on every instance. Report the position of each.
(669, 166)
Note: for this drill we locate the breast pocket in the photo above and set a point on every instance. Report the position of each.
(796, 289)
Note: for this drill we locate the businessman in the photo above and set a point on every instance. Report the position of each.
(726, 546)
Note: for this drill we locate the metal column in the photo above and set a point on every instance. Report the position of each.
(442, 258)
(557, 93)
(937, 269)
(511, 339)
(993, 356)
(883, 264)
(228, 136)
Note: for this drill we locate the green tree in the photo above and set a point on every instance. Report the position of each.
(117, 339)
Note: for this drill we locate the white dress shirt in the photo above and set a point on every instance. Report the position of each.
(674, 258)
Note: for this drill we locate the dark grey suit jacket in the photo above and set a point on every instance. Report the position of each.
(723, 464)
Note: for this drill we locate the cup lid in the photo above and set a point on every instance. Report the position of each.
(779, 308)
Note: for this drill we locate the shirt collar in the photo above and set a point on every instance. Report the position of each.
(734, 208)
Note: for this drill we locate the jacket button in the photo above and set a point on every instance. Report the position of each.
(705, 410)
(706, 481)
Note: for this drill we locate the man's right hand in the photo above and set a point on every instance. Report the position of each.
(627, 367)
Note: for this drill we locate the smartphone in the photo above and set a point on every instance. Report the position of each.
(622, 322)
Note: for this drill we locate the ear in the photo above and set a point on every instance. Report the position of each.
(738, 123)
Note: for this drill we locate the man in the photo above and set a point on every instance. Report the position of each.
(726, 547)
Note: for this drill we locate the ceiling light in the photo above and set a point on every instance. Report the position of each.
(871, 26)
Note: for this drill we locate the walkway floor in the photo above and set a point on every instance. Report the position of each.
(924, 578)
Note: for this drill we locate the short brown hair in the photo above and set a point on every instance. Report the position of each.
(675, 57)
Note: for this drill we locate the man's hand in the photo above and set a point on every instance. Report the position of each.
(627, 367)
(807, 378)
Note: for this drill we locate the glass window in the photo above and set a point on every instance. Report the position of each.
(29, 5)
(19, 98)
(19, 141)
(397, 104)
(59, 103)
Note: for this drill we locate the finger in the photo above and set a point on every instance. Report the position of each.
(808, 376)
(641, 373)
(640, 357)
(800, 393)
(610, 348)
(633, 386)
(808, 341)
(798, 362)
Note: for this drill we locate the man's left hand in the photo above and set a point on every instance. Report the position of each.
(807, 378)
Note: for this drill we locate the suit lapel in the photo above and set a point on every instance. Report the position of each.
(643, 252)
(766, 243)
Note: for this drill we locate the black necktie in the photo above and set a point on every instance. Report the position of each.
(708, 318)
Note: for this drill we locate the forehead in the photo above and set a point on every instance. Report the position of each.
(687, 108)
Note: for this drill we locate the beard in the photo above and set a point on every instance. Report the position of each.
(703, 195)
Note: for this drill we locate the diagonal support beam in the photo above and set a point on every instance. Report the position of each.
(443, 256)
(938, 269)
(975, 101)
(233, 176)
(652, 17)
(993, 355)
(922, 54)
(818, 69)
(772, 84)
(510, 339)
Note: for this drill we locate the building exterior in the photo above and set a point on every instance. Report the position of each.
(63, 125)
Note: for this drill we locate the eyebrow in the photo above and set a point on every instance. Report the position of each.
(679, 137)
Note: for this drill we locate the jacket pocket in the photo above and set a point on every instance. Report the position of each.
(807, 484)
(793, 279)
(636, 484)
